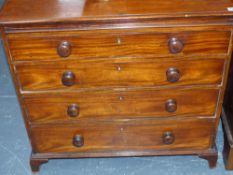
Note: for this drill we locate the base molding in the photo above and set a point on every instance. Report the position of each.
(211, 155)
(212, 159)
(35, 163)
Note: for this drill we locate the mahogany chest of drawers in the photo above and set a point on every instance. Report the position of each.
(103, 78)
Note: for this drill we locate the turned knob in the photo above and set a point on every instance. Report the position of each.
(78, 141)
(73, 110)
(168, 138)
(173, 75)
(64, 49)
(171, 105)
(175, 45)
(68, 78)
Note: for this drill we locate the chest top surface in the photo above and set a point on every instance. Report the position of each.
(44, 11)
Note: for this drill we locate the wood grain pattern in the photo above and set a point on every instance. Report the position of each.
(193, 133)
(200, 23)
(119, 55)
(48, 76)
(49, 11)
(115, 105)
(116, 44)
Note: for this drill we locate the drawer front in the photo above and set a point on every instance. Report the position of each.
(73, 75)
(152, 135)
(115, 43)
(121, 105)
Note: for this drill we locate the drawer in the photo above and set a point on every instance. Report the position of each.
(68, 75)
(115, 43)
(121, 105)
(143, 136)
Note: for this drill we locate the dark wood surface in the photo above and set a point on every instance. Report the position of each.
(192, 134)
(54, 11)
(107, 78)
(149, 42)
(121, 105)
(36, 163)
(115, 74)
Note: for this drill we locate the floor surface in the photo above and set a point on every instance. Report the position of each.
(15, 148)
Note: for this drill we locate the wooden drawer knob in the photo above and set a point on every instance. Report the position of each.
(173, 75)
(64, 49)
(175, 45)
(68, 78)
(78, 141)
(73, 110)
(171, 105)
(168, 138)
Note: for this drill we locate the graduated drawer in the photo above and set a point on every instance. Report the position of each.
(74, 75)
(116, 43)
(141, 136)
(121, 105)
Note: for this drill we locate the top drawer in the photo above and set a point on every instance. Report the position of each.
(115, 43)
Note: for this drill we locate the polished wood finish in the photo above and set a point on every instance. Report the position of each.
(122, 105)
(191, 133)
(35, 163)
(49, 11)
(119, 78)
(59, 75)
(212, 158)
(135, 43)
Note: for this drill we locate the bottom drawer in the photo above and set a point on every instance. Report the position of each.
(144, 135)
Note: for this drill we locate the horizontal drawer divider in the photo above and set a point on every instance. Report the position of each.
(111, 122)
(83, 90)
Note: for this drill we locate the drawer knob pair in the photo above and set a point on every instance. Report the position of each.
(175, 45)
(78, 141)
(64, 49)
(68, 77)
(73, 110)
(168, 138)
